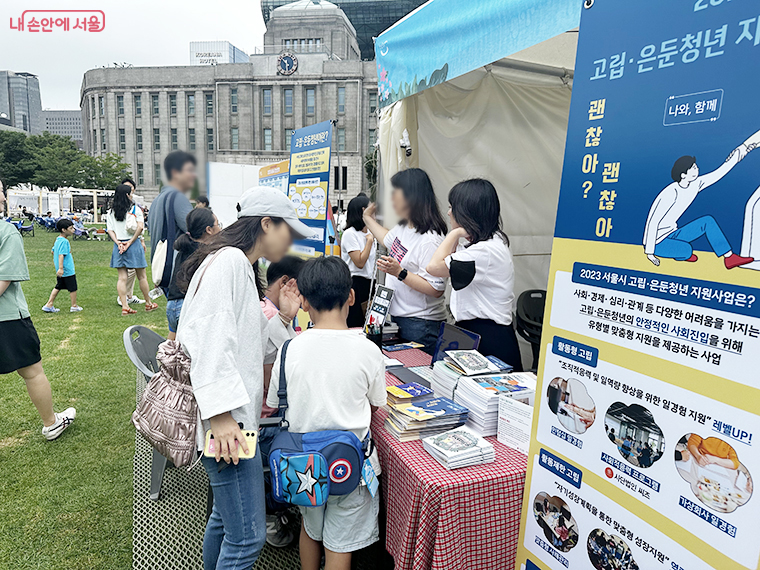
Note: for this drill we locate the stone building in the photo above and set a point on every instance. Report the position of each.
(241, 112)
(64, 123)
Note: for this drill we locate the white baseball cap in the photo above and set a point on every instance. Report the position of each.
(266, 201)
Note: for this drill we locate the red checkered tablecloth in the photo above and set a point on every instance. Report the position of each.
(465, 519)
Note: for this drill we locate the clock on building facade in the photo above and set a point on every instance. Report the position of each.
(287, 63)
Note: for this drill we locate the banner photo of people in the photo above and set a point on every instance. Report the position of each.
(308, 183)
(643, 453)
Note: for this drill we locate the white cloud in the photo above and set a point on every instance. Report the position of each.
(140, 32)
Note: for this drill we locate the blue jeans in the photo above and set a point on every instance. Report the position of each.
(236, 531)
(173, 309)
(420, 330)
(678, 244)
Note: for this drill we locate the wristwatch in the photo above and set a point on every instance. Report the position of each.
(401, 276)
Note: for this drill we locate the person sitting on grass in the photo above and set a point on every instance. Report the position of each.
(336, 380)
(64, 267)
(19, 342)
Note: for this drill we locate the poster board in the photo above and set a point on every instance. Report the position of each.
(226, 183)
(54, 203)
(275, 175)
(308, 184)
(644, 439)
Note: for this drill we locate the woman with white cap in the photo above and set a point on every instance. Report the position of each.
(225, 333)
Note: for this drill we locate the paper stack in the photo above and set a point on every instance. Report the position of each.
(459, 447)
(407, 393)
(409, 422)
(480, 394)
(445, 378)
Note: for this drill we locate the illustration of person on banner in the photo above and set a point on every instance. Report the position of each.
(663, 237)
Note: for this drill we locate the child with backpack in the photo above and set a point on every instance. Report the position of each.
(335, 381)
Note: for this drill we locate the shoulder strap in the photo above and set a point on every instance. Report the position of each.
(282, 392)
(170, 231)
(213, 257)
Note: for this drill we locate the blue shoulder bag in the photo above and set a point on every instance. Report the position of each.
(306, 468)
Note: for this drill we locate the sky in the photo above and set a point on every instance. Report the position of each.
(139, 32)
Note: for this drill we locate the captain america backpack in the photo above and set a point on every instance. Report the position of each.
(306, 468)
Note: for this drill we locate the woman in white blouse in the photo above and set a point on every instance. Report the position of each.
(481, 269)
(357, 249)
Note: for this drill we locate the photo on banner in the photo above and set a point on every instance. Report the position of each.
(648, 422)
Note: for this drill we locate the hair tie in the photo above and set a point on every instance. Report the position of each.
(188, 234)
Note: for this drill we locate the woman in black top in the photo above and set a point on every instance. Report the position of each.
(202, 225)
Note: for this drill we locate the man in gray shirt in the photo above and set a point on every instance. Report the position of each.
(180, 172)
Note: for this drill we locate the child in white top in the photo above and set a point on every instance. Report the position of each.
(335, 380)
(357, 249)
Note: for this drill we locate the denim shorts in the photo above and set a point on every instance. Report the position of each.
(173, 309)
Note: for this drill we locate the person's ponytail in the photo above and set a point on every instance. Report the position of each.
(197, 221)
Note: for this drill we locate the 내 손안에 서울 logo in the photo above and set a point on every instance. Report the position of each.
(59, 20)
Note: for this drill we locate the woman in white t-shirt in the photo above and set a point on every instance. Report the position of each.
(418, 305)
(357, 249)
(481, 270)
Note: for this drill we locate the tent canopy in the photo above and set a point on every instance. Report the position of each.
(444, 39)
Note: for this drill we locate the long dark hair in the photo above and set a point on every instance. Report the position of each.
(475, 206)
(424, 213)
(121, 202)
(354, 212)
(197, 221)
(243, 235)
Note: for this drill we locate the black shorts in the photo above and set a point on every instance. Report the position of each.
(19, 345)
(69, 283)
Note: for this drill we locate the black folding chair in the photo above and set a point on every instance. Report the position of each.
(530, 319)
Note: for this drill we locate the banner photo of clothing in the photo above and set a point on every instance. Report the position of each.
(308, 183)
(644, 443)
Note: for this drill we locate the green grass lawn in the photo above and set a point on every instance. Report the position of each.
(68, 503)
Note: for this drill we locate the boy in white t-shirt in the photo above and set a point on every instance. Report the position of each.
(335, 380)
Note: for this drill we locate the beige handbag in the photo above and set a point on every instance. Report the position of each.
(167, 415)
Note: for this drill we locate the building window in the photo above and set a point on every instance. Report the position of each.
(156, 139)
(372, 101)
(103, 139)
(233, 100)
(172, 104)
(120, 104)
(288, 101)
(288, 138)
(138, 104)
(138, 136)
(101, 106)
(371, 140)
(191, 138)
(93, 107)
(157, 174)
(341, 100)
(94, 141)
(311, 100)
(234, 138)
(175, 143)
(140, 174)
(341, 139)
(267, 139)
(210, 139)
(209, 103)
(267, 101)
(154, 103)
(190, 105)
(122, 140)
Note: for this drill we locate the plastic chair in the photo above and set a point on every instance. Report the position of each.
(530, 319)
(141, 345)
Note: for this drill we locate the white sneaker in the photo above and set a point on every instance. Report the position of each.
(62, 421)
(118, 300)
(136, 301)
(75, 309)
(50, 309)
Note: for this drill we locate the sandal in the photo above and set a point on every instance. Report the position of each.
(128, 312)
(150, 306)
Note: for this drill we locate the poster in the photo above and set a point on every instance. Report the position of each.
(644, 443)
(275, 175)
(308, 183)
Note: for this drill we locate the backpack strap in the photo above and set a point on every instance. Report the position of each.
(170, 230)
(282, 392)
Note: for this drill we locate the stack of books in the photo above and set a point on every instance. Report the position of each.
(460, 363)
(408, 393)
(444, 380)
(409, 422)
(480, 394)
(459, 447)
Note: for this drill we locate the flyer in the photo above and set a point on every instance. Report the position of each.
(643, 449)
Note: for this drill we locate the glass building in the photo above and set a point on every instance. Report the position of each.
(20, 101)
(369, 17)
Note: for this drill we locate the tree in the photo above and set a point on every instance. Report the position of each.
(55, 162)
(102, 172)
(16, 164)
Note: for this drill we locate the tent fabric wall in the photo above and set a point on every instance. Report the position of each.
(506, 125)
